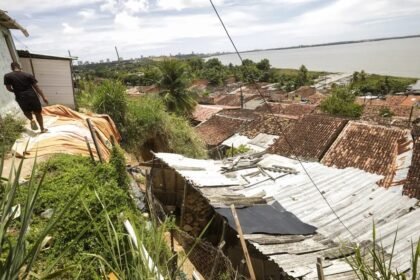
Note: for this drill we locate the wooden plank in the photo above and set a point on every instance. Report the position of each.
(89, 149)
(95, 141)
(296, 248)
(243, 243)
(319, 269)
(266, 239)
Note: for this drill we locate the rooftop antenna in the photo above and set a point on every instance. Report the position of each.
(118, 56)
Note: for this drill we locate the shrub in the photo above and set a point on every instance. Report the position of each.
(341, 103)
(110, 98)
(163, 132)
(233, 151)
(385, 112)
(10, 129)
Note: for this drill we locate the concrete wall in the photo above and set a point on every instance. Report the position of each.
(54, 78)
(7, 99)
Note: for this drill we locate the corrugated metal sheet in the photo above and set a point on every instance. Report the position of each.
(259, 143)
(352, 193)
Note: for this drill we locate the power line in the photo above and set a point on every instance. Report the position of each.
(280, 125)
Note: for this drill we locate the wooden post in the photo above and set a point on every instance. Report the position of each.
(231, 153)
(184, 197)
(319, 269)
(243, 243)
(95, 141)
(89, 149)
(411, 114)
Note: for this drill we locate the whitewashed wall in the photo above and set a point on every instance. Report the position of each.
(7, 99)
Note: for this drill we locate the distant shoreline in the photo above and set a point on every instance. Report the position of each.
(321, 45)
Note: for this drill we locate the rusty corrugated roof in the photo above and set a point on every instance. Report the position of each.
(310, 137)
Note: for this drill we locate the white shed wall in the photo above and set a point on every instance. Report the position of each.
(7, 99)
(54, 78)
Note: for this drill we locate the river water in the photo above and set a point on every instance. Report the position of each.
(399, 57)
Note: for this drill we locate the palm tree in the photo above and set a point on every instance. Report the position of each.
(174, 87)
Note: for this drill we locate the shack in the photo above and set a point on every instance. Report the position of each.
(54, 75)
(8, 54)
(298, 226)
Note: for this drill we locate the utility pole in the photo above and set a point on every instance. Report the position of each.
(118, 56)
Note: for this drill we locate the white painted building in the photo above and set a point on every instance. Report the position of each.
(8, 54)
(54, 75)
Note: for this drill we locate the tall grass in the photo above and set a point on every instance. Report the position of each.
(375, 263)
(17, 258)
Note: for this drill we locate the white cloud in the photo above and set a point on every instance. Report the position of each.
(32, 6)
(158, 26)
(70, 30)
(127, 6)
(87, 14)
(184, 4)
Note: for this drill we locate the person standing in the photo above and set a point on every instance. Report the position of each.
(26, 90)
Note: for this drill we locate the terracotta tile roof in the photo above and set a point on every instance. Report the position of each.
(287, 109)
(218, 128)
(204, 112)
(310, 137)
(246, 114)
(268, 124)
(372, 148)
(305, 91)
(412, 185)
(232, 99)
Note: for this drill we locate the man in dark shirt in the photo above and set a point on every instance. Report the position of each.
(26, 91)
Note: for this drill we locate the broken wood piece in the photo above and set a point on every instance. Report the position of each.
(243, 243)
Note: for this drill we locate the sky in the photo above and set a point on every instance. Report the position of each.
(91, 29)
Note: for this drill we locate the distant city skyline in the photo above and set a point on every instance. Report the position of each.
(91, 28)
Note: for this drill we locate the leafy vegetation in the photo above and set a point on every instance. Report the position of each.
(341, 102)
(110, 98)
(363, 84)
(174, 87)
(233, 151)
(152, 128)
(65, 175)
(10, 129)
(19, 252)
(145, 122)
(385, 112)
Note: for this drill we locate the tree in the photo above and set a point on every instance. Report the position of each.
(213, 63)
(362, 76)
(302, 77)
(341, 103)
(196, 63)
(174, 87)
(355, 77)
(264, 65)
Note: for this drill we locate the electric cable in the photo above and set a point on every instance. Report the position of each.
(280, 125)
